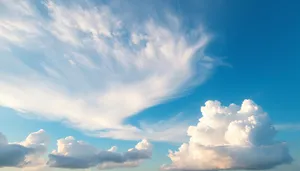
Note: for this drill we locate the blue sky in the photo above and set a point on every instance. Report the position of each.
(111, 73)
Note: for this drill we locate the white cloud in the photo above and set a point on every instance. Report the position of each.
(70, 153)
(233, 137)
(18, 23)
(27, 153)
(137, 38)
(78, 154)
(76, 63)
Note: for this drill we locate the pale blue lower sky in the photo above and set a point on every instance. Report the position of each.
(16, 129)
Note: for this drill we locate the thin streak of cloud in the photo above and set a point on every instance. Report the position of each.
(288, 126)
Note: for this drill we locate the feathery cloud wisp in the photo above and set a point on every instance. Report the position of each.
(288, 127)
(92, 67)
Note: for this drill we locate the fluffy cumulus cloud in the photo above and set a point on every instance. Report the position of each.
(230, 137)
(93, 66)
(27, 153)
(75, 154)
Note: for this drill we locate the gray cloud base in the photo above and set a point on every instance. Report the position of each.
(13, 155)
(24, 153)
(92, 161)
(74, 154)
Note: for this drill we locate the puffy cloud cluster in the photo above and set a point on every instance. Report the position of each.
(232, 137)
(26, 153)
(78, 154)
(70, 153)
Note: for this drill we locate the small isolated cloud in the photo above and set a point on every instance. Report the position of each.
(232, 137)
(26, 153)
(75, 154)
(171, 130)
(288, 127)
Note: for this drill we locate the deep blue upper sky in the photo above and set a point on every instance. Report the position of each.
(260, 41)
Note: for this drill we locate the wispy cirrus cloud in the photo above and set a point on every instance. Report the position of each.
(171, 130)
(90, 67)
(288, 127)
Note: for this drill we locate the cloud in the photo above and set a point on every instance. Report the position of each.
(171, 130)
(26, 153)
(78, 154)
(288, 127)
(110, 165)
(92, 67)
(70, 153)
(233, 137)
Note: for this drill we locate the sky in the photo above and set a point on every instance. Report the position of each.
(149, 85)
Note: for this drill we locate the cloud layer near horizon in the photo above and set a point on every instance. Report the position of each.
(26, 153)
(229, 138)
(70, 153)
(78, 154)
(92, 67)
